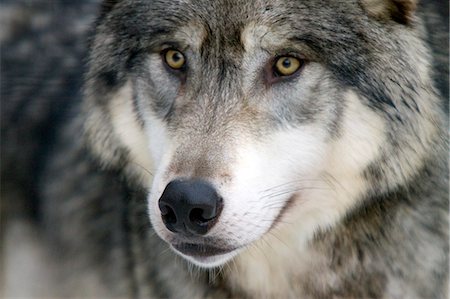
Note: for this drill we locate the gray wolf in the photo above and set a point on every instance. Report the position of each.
(264, 149)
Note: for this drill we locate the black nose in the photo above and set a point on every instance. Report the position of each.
(190, 207)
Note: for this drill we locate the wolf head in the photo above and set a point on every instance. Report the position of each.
(249, 120)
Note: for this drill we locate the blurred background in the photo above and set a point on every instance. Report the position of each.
(43, 56)
(43, 53)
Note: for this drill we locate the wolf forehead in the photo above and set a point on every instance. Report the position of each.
(331, 32)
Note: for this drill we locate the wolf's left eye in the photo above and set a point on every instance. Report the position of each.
(286, 66)
(174, 59)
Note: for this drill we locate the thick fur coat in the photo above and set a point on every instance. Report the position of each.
(334, 180)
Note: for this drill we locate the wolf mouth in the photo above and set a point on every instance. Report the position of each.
(201, 250)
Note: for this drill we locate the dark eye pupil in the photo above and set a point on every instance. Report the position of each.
(176, 57)
(286, 63)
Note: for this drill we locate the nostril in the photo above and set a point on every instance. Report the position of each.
(197, 216)
(168, 214)
(190, 207)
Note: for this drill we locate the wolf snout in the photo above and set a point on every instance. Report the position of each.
(190, 207)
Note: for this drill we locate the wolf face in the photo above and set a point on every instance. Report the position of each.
(251, 120)
(251, 139)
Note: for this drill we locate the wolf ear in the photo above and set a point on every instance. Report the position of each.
(400, 11)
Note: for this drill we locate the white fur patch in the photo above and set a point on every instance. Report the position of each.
(193, 34)
(161, 148)
(323, 200)
(125, 125)
(265, 175)
(252, 35)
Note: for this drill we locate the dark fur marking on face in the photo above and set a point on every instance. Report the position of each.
(352, 68)
(109, 78)
(335, 126)
(134, 59)
(402, 11)
(137, 110)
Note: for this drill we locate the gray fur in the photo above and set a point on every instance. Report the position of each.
(90, 193)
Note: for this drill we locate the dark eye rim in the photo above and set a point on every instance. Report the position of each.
(271, 74)
(275, 71)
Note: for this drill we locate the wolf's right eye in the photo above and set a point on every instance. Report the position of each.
(174, 59)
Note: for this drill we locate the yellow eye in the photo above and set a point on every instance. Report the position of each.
(174, 59)
(285, 66)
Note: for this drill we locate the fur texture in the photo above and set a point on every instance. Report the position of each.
(334, 180)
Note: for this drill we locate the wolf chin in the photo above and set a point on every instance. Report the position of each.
(266, 149)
